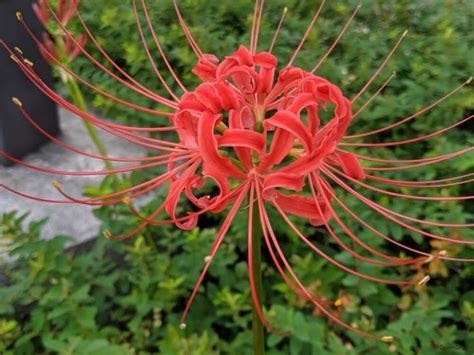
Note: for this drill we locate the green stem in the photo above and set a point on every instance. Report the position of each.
(257, 326)
(78, 100)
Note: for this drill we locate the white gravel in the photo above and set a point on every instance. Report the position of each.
(74, 220)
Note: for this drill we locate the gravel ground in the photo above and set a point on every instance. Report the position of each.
(74, 220)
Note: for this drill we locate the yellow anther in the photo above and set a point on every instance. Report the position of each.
(338, 302)
(207, 259)
(424, 280)
(28, 62)
(405, 33)
(107, 234)
(443, 253)
(127, 200)
(17, 101)
(285, 10)
(387, 339)
(468, 81)
(56, 184)
(14, 58)
(19, 16)
(18, 50)
(182, 326)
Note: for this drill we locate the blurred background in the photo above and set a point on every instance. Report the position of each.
(60, 294)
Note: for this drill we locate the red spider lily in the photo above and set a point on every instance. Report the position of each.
(65, 11)
(254, 129)
(68, 51)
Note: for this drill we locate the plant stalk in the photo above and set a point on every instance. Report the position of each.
(78, 99)
(257, 326)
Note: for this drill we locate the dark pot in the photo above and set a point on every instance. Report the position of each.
(17, 136)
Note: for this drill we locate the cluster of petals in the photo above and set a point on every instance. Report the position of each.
(258, 132)
(230, 109)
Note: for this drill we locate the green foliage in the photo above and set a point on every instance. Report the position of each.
(126, 298)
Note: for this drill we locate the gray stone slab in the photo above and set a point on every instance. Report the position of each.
(74, 220)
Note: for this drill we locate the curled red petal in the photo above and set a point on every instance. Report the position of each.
(214, 163)
(281, 180)
(350, 164)
(303, 207)
(243, 138)
(206, 68)
(290, 122)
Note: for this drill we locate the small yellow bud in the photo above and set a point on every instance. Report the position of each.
(387, 339)
(182, 326)
(207, 259)
(56, 184)
(18, 50)
(17, 101)
(19, 16)
(468, 81)
(28, 62)
(127, 200)
(443, 253)
(338, 302)
(107, 234)
(424, 280)
(14, 58)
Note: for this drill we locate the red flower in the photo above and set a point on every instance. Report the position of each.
(61, 48)
(256, 132)
(65, 11)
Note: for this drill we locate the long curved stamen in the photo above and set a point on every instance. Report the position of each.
(305, 36)
(190, 215)
(160, 49)
(380, 68)
(37, 81)
(389, 214)
(332, 260)
(422, 162)
(186, 31)
(425, 184)
(80, 79)
(152, 185)
(81, 152)
(308, 295)
(411, 197)
(408, 141)
(138, 229)
(335, 43)
(254, 21)
(396, 161)
(148, 52)
(131, 192)
(256, 26)
(380, 89)
(274, 256)
(84, 173)
(215, 246)
(277, 31)
(253, 289)
(388, 239)
(139, 88)
(411, 117)
(315, 183)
